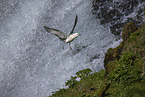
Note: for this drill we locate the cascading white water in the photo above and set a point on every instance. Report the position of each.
(32, 62)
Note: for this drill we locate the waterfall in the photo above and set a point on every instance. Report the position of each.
(32, 61)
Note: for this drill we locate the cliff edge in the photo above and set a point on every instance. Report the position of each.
(125, 70)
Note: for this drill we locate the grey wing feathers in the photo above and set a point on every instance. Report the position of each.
(56, 32)
(76, 19)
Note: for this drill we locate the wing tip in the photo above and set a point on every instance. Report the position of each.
(76, 17)
(45, 27)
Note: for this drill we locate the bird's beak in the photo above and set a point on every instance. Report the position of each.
(80, 35)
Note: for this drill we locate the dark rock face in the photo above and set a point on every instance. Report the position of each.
(109, 16)
(116, 13)
(115, 28)
(127, 6)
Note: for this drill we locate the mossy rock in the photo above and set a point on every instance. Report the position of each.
(118, 50)
(128, 29)
(113, 54)
(110, 66)
(109, 56)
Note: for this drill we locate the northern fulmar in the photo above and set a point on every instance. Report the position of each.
(63, 36)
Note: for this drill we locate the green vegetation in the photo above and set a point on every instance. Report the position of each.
(88, 85)
(124, 75)
(81, 74)
(127, 30)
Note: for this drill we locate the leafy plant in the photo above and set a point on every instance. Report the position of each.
(71, 82)
(80, 74)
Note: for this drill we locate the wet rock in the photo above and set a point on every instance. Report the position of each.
(127, 6)
(109, 16)
(114, 13)
(116, 28)
(117, 13)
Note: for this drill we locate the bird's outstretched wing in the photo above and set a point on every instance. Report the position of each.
(76, 19)
(56, 32)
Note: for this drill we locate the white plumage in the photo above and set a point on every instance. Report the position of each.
(71, 37)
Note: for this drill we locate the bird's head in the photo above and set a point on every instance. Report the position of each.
(76, 34)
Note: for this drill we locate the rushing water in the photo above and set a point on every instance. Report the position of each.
(32, 62)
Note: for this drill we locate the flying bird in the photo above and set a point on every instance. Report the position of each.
(63, 36)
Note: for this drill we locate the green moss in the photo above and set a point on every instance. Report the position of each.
(136, 42)
(112, 56)
(118, 50)
(135, 90)
(127, 30)
(109, 56)
(126, 71)
(110, 66)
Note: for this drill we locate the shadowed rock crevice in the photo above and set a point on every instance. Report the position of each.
(117, 13)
